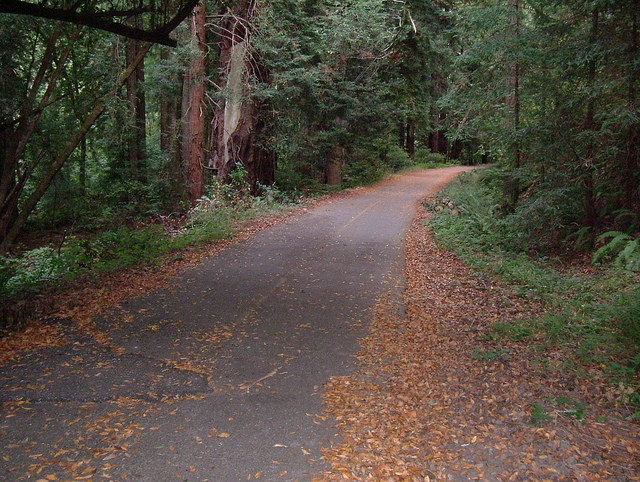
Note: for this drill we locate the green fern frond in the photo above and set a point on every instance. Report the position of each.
(623, 250)
(629, 257)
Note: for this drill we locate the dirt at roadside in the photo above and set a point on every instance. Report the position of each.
(436, 398)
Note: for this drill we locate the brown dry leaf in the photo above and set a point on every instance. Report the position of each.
(423, 407)
(84, 300)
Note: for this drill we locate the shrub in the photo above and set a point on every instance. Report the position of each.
(625, 312)
(623, 250)
(397, 158)
(425, 156)
(32, 269)
(592, 316)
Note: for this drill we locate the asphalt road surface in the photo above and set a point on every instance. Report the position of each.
(220, 376)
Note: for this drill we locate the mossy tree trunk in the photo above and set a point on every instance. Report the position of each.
(239, 118)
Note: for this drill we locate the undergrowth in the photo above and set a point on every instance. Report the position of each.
(211, 219)
(593, 310)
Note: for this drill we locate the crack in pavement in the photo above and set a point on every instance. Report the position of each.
(296, 298)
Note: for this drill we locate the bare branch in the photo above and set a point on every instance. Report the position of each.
(103, 20)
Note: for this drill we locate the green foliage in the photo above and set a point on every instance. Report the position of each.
(539, 414)
(513, 331)
(300, 179)
(497, 354)
(553, 407)
(366, 171)
(543, 222)
(34, 268)
(127, 246)
(625, 314)
(568, 407)
(592, 317)
(623, 250)
(475, 210)
(397, 158)
(426, 157)
(335, 83)
(564, 131)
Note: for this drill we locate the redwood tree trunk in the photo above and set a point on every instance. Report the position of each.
(335, 166)
(515, 185)
(170, 141)
(8, 192)
(239, 119)
(591, 214)
(193, 109)
(438, 139)
(410, 143)
(137, 110)
(632, 154)
(438, 142)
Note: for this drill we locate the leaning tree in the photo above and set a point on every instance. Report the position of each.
(28, 97)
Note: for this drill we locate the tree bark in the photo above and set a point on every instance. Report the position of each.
(170, 139)
(239, 119)
(632, 151)
(137, 110)
(591, 214)
(103, 20)
(17, 223)
(193, 109)
(335, 166)
(438, 142)
(410, 143)
(515, 186)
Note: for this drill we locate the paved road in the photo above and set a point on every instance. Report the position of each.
(220, 376)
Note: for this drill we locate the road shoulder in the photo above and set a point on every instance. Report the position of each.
(436, 398)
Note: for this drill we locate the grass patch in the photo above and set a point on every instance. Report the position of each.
(513, 331)
(212, 219)
(497, 354)
(593, 312)
(554, 407)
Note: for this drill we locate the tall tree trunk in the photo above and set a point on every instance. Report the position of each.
(170, 140)
(632, 151)
(410, 144)
(82, 168)
(455, 152)
(8, 184)
(238, 119)
(12, 230)
(590, 213)
(438, 139)
(335, 166)
(193, 109)
(137, 111)
(515, 186)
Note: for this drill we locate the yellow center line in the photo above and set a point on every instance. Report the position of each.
(368, 208)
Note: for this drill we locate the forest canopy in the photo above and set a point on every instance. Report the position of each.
(101, 124)
(141, 20)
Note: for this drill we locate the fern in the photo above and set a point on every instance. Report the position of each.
(629, 257)
(623, 250)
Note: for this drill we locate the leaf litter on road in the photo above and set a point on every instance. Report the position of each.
(91, 443)
(435, 398)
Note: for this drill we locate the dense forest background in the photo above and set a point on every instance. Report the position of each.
(103, 133)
